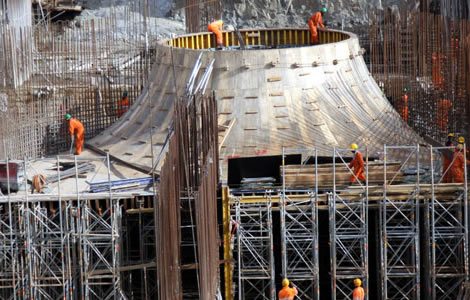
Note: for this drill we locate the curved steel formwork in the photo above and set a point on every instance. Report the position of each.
(278, 92)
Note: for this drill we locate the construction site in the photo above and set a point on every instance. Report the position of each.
(267, 156)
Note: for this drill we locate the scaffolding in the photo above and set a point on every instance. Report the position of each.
(255, 267)
(448, 224)
(348, 233)
(399, 222)
(57, 244)
(415, 256)
(299, 232)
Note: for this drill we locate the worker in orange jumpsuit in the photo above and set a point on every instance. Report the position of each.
(357, 165)
(358, 292)
(403, 106)
(77, 133)
(447, 157)
(287, 293)
(216, 28)
(436, 72)
(458, 171)
(316, 21)
(123, 105)
(442, 118)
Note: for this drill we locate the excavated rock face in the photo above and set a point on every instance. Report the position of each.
(289, 13)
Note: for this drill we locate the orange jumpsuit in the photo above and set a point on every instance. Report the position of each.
(458, 166)
(287, 293)
(76, 128)
(403, 107)
(358, 293)
(442, 117)
(315, 21)
(216, 28)
(357, 165)
(437, 78)
(447, 157)
(123, 106)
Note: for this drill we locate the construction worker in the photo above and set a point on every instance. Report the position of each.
(38, 183)
(357, 165)
(442, 118)
(458, 165)
(123, 105)
(358, 292)
(77, 133)
(447, 156)
(403, 106)
(436, 72)
(216, 28)
(287, 293)
(315, 22)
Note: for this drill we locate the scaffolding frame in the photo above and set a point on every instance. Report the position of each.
(348, 234)
(254, 247)
(448, 226)
(399, 238)
(57, 245)
(299, 233)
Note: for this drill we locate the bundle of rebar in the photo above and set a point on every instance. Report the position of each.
(81, 168)
(190, 172)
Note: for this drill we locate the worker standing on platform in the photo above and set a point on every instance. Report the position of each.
(123, 105)
(447, 156)
(287, 293)
(216, 28)
(357, 165)
(358, 292)
(315, 22)
(77, 133)
(458, 164)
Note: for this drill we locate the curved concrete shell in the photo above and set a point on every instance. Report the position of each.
(283, 93)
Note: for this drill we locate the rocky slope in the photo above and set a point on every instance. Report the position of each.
(279, 13)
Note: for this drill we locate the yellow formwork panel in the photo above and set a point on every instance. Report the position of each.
(268, 37)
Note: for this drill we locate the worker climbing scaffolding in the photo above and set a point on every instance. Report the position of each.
(315, 22)
(77, 133)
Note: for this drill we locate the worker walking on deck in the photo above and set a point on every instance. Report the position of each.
(287, 292)
(357, 165)
(358, 292)
(458, 164)
(123, 105)
(447, 156)
(315, 22)
(77, 133)
(216, 28)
